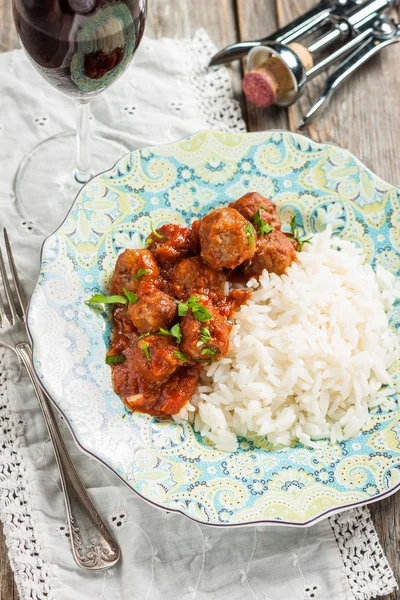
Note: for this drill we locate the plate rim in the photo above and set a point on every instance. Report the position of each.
(261, 522)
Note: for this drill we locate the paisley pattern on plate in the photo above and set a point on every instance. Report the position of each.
(165, 462)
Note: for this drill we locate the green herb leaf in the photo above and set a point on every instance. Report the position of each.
(144, 335)
(296, 235)
(199, 311)
(302, 242)
(201, 314)
(131, 296)
(123, 416)
(182, 309)
(293, 227)
(100, 299)
(175, 332)
(140, 273)
(155, 232)
(205, 336)
(250, 234)
(209, 351)
(115, 359)
(181, 356)
(145, 347)
(262, 225)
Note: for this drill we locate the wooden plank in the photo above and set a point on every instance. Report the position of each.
(359, 119)
(8, 589)
(361, 114)
(345, 122)
(181, 18)
(256, 20)
(385, 515)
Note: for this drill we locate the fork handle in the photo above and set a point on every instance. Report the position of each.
(93, 546)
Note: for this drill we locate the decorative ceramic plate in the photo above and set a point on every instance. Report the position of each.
(166, 463)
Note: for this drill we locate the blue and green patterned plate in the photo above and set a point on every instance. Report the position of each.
(166, 463)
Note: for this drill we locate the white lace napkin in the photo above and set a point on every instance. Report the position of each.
(164, 556)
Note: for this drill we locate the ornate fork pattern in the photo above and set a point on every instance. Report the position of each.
(93, 546)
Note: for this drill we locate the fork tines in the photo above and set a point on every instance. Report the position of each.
(10, 308)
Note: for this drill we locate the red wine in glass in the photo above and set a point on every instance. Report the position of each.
(80, 47)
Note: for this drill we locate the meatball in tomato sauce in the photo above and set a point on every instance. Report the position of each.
(170, 244)
(249, 204)
(227, 239)
(205, 340)
(153, 310)
(275, 252)
(176, 392)
(194, 275)
(132, 269)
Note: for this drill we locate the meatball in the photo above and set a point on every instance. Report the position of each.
(195, 237)
(192, 274)
(173, 245)
(133, 267)
(176, 392)
(275, 252)
(153, 309)
(227, 239)
(149, 359)
(207, 340)
(250, 203)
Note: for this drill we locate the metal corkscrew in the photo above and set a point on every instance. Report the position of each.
(280, 66)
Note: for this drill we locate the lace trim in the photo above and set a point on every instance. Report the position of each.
(31, 573)
(212, 87)
(367, 569)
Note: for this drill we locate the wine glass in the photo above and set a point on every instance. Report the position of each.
(80, 47)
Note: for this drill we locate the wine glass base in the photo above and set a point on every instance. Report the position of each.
(45, 186)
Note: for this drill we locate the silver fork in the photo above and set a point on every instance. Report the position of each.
(93, 546)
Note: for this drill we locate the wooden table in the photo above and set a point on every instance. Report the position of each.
(363, 118)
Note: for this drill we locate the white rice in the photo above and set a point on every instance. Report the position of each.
(309, 353)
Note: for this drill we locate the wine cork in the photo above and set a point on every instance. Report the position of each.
(272, 80)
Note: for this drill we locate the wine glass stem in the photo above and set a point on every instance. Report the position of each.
(82, 172)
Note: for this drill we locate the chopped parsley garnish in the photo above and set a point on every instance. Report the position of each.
(181, 356)
(262, 225)
(175, 332)
(100, 299)
(295, 232)
(144, 335)
(182, 309)
(250, 234)
(205, 336)
(155, 232)
(132, 298)
(207, 351)
(145, 347)
(199, 311)
(115, 359)
(140, 273)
